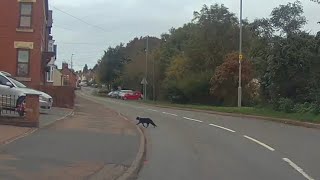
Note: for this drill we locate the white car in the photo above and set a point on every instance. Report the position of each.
(13, 93)
(83, 83)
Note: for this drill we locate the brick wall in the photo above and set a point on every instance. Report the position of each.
(9, 22)
(63, 96)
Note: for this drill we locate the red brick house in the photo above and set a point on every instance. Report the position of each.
(25, 28)
(69, 77)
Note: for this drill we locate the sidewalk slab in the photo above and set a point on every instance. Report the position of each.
(9, 133)
(54, 115)
(78, 147)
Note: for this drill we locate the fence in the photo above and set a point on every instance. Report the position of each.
(20, 110)
(11, 105)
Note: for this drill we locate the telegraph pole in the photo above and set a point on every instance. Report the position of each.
(153, 81)
(146, 75)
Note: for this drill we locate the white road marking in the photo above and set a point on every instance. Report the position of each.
(192, 119)
(297, 168)
(260, 143)
(169, 114)
(153, 110)
(230, 130)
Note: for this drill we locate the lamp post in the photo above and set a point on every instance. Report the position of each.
(71, 63)
(240, 60)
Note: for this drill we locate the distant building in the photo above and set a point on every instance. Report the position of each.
(26, 46)
(69, 77)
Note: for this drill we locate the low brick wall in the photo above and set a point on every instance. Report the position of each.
(63, 96)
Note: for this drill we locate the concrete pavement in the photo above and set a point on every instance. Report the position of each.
(195, 145)
(78, 147)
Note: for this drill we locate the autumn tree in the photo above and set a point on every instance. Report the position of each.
(225, 81)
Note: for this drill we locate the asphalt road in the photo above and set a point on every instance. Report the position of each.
(94, 142)
(193, 145)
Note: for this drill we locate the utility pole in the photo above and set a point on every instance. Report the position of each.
(72, 61)
(153, 81)
(146, 75)
(240, 60)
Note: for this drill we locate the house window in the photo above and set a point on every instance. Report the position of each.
(25, 15)
(66, 80)
(50, 74)
(23, 62)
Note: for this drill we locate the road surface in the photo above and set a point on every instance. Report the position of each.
(95, 142)
(193, 145)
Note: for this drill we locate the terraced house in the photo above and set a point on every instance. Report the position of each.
(26, 46)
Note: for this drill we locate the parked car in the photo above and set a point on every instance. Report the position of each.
(123, 92)
(83, 83)
(10, 88)
(114, 94)
(133, 96)
(110, 93)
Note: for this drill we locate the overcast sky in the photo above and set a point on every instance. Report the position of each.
(122, 20)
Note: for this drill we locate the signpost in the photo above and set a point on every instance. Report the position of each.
(144, 82)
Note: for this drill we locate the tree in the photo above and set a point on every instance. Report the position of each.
(224, 83)
(288, 18)
(85, 69)
(292, 67)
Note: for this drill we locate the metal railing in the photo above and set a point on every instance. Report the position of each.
(11, 105)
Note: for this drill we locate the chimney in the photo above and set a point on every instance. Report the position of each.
(64, 65)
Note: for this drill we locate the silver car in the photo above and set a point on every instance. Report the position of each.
(13, 93)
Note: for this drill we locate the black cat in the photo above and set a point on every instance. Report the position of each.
(145, 121)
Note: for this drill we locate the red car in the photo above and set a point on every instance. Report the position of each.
(132, 96)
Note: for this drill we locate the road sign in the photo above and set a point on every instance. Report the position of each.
(240, 57)
(144, 81)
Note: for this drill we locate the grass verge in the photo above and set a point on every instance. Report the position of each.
(266, 112)
(255, 111)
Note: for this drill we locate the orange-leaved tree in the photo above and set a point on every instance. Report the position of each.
(224, 83)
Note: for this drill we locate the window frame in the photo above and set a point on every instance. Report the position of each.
(51, 74)
(22, 15)
(28, 63)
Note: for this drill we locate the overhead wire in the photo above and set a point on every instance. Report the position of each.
(79, 19)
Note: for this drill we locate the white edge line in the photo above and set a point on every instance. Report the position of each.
(297, 168)
(230, 130)
(169, 114)
(192, 119)
(260, 143)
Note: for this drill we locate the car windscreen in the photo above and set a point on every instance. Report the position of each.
(17, 83)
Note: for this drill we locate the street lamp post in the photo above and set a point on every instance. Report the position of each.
(71, 63)
(240, 60)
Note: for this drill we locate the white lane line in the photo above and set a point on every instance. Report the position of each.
(153, 110)
(230, 130)
(196, 120)
(297, 168)
(260, 143)
(169, 114)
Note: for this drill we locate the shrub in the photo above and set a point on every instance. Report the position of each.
(307, 108)
(286, 105)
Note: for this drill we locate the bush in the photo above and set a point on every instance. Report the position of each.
(307, 108)
(286, 105)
